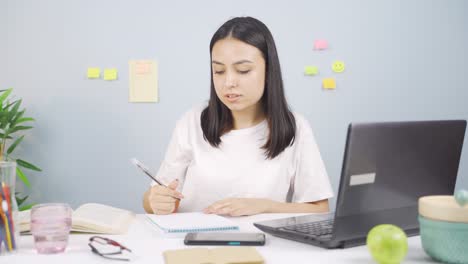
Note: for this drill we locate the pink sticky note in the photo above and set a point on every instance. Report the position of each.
(320, 44)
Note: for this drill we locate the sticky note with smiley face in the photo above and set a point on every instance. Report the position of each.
(329, 83)
(338, 66)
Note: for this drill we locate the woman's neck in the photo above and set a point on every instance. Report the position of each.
(248, 117)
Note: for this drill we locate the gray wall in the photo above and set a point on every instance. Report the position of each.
(406, 60)
(3, 42)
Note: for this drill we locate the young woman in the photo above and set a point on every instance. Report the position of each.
(244, 153)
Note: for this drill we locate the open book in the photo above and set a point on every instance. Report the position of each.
(220, 255)
(191, 222)
(90, 218)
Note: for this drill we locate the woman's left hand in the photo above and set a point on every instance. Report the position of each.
(239, 206)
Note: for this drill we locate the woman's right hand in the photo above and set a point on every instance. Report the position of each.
(164, 200)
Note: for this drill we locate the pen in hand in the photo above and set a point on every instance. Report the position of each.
(146, 171)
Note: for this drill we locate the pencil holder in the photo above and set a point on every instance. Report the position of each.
(9, 230)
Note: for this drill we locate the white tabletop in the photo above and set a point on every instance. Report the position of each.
(148, 243)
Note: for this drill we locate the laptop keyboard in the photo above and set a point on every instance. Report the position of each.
(321, 228)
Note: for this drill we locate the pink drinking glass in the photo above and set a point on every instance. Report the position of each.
(50, 226)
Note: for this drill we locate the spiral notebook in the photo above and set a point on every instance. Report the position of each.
(191, 223)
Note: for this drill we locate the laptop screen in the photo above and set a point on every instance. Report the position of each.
(390, 165)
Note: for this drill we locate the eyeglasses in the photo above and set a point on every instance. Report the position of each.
(111, 252)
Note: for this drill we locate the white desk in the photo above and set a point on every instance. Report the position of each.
(148, 244)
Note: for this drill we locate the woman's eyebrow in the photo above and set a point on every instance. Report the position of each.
(235, 63)
(242, 61)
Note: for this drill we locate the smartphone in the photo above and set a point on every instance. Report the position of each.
(229, 239)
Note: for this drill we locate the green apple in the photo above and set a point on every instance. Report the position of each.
(387, 244)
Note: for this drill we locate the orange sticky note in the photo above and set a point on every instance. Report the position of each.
(143, 67)
(329, 83)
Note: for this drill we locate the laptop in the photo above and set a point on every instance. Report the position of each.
(386, 167)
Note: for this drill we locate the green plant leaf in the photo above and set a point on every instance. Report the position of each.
(10, 104)
(27, 165)
(5, 94)
(4, 121)
(18, 116)
(22, 177)
(17, 128)
(20, 200)
(14, 110)
(24, 119)
(26, 207)
(2, 135)
(13, 146)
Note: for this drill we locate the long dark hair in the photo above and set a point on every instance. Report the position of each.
(216, 118)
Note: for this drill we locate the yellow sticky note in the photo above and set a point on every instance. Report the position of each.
(311, 70)
(110, 74)
(94, 73)
(329, 83)
(143, 79)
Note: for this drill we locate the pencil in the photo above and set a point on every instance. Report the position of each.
(146, 171)
(6, 192)
(7, 226)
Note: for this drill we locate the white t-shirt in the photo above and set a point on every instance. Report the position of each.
(239, 168)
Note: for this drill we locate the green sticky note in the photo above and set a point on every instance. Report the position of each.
(311, 70)
(94, 73)
(110, 74)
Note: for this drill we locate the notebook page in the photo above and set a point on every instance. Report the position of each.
(24, 220)
(101, 218)
(191, 222)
